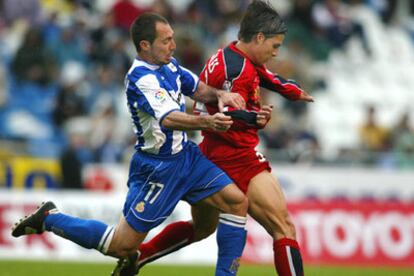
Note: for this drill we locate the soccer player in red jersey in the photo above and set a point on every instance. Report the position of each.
(240, 68)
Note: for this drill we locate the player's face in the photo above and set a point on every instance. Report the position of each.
(163, 47)
(267, 48)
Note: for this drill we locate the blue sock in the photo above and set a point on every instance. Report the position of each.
(86, 233)
(231, 238)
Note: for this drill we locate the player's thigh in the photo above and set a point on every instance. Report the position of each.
(155, 188)
(125, 240)
(214, 187)
(267, 205)
(230, 199)
(205, 220)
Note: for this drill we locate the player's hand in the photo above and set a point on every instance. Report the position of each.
(220, 122)
(304, 96)
(264, 115)
(234, 100)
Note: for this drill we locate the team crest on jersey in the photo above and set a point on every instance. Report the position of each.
(140, 207)
(172, 67)
(161, 94)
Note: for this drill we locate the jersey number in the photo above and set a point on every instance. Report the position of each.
(213, 63)
(154, 192)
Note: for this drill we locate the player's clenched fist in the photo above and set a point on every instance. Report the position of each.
(264, 115)
(220, 122)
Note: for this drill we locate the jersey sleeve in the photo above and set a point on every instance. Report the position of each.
(189, 81)
(149, 97)
(287, 88)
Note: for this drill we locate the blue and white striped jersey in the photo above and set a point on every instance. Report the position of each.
(153, 92)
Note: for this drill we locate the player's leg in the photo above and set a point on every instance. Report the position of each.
(125, 240)
(153, 195)
(124, 244)
(207, 183)
(205, 217)
(267, 205)
(231, 233)
(180, 234)
(85, 232)
(212, 187)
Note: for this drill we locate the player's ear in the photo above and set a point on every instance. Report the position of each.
(260, 38)
(145, 45)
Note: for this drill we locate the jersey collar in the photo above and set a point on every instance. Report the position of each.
(140, 62)
(233, 47)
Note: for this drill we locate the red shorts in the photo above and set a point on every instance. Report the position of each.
(248, 164)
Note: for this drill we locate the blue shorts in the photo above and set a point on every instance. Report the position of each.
(156, 184)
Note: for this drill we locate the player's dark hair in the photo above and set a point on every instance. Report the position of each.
(260, 17)
(143, 28)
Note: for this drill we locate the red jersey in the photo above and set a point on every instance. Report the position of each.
(230, 69)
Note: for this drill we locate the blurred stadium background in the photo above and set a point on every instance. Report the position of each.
(346, 162)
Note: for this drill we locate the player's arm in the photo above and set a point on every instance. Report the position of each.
(287, 88)
(178, 120)
(208, 94)
(257, 119)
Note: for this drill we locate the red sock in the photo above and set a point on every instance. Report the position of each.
(288, 260)
(173, 237)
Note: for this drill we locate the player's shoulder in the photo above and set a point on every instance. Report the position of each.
(143, 73)
(234, 63)
(140, 68)
(214, 69)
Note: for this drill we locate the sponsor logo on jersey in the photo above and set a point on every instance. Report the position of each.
(161, 94)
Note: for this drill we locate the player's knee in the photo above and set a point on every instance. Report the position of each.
(121, 249)
(240, 205)
(244, 204)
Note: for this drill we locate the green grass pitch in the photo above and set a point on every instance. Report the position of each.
(40, 268)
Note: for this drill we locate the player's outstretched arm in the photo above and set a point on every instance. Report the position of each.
(304, 96)
(177, 120)
(208, 94)
(288, 88)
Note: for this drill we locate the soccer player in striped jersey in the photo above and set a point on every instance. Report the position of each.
(240, 68)
(166, 167)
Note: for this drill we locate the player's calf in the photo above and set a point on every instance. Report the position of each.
(86, 233)
(231, 238)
